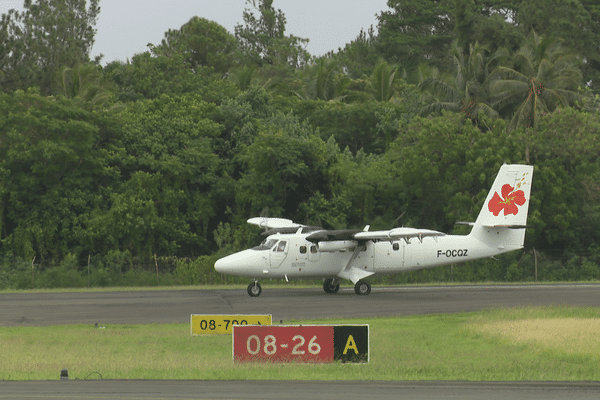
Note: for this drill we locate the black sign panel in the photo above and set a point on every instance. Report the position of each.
(351, 343)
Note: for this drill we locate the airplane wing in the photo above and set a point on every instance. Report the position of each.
(398, 233)
(346, 234)
(355, 234)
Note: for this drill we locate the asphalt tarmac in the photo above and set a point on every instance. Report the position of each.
(141, 307)
(175, 306)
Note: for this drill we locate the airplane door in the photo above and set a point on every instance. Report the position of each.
(389, 255)
(279, 253)
(366, 256)
(313, 253)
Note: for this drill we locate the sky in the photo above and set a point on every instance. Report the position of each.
(125, 27)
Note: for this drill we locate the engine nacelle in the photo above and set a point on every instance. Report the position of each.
(337, 245)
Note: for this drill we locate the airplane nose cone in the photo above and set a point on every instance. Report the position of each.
(222, 266)
(244, 263)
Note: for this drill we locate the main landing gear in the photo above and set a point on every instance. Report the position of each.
(362, 288)
(254, 289)
(332, 286)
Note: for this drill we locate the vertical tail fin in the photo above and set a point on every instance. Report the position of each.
(504, 214)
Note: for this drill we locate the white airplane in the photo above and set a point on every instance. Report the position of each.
(294, 251)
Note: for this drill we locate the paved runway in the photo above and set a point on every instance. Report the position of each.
(143, 307)
(314, 390)
(43, 309)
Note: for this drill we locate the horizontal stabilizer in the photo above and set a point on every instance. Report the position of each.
(464, 223)
(508, 226)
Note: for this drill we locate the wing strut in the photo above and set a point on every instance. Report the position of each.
(352, 273)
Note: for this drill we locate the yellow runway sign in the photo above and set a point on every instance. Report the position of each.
(213, 324)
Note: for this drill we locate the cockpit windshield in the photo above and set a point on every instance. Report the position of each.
(267, 244)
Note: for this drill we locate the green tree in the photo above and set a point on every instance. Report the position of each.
(357, 126)
(202, 43)
(56, 161)
(284, 166)
(262, 39)
(46, 37)
(359, 56)
(488, 22)
(148, 76)
(591, 68)
(565, 152)
(415, 31)
(165, 201)
(356, 190)
(564, 20)
(240, 118)
(440, 170)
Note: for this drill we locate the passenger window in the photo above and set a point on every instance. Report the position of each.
(302, 249)
(395, 246)
(313, 249)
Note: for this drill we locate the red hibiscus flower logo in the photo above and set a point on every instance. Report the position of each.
(510, 200)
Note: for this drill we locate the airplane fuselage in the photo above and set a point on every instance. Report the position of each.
(292, 257)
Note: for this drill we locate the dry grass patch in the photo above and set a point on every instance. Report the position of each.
(570, 335)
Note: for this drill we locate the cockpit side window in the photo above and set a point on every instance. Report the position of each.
(281, 246)
(267, 244)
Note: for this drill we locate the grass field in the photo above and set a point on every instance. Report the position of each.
(553, 343)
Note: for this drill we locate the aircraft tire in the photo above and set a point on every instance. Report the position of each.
(362, 288)
(328, 287)
(254, 289)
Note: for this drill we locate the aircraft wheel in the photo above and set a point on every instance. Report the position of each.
(254, 289)
(330, 287)
(362, 288)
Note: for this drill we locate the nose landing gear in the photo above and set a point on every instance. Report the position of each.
(331, 286)
(254, 289)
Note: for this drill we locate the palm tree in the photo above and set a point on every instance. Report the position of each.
(321, 81)
(545, 77)
(382, 81)
(85, 83)
(468, 91)
(243, 77)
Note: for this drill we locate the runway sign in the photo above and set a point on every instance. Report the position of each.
(211, 324)
(301, 344)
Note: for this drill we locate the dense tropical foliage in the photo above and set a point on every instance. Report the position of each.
(145, 171)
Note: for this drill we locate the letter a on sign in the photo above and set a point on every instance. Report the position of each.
(350, 345)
